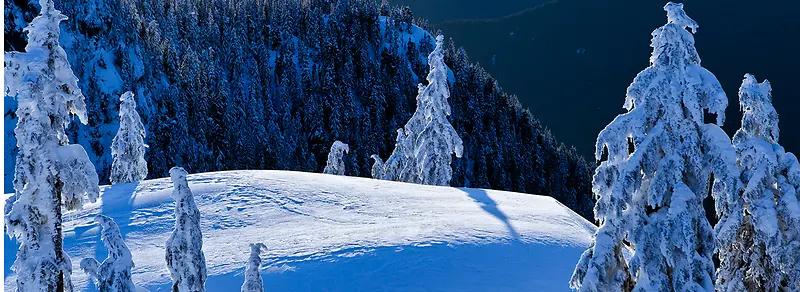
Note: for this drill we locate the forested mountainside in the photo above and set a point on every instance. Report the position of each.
(263, 84)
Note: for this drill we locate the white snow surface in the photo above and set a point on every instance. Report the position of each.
(335, 233)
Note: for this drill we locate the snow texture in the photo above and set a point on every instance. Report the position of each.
(758, 239)
(660, 155)
(49, 173)
(185, 258)
(252, 274)
(338, 233)
(114, 274)
(424, 148)
(128, 146)
(335, 163)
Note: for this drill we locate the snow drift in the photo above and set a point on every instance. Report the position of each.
(335, 233)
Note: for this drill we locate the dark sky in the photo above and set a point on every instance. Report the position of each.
(570, 61)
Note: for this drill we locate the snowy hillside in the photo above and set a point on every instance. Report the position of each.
(269, 84)
(335, 233)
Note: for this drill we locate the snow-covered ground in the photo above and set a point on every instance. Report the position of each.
(336, 233)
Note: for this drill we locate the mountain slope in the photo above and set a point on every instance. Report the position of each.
(262, 84)
(336, 233)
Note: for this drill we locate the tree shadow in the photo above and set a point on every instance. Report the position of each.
(490, 206)
(117, 203)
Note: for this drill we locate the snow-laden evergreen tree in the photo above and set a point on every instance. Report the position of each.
(660, 155)
(252, 274)
(438, 140)
(378, 167)
(789, 218)
(114, 274)
(128, 146)
(424, 147)
(185, 259)
(335, 158)
(50, 174)
(758, 239)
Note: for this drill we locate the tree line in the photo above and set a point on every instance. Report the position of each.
(259, 84)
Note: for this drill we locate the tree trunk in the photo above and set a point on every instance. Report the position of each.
(59, 239)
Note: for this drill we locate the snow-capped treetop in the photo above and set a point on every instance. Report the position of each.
(252, 274)
(759, 118)
(757, 234)
(44, 55)
(674, 65)
(437, 92)
(178, 177)
(128, 146)
(676, 15)
(114, 274)
(335, 162)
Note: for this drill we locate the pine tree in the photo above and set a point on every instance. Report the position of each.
(50, 174)
(128, 146)
(660, 158)
(252, 274)
(335, 163)
(425, 144)
(185, 259)
(438, 140)
(114, 274)
(757, 238)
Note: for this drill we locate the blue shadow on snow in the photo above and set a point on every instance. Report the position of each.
(490, 206)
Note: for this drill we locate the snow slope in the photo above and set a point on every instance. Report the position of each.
(335, 233)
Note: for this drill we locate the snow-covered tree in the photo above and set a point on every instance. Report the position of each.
(128, 146)
(378, 167)
(789, 218)
(114, 274)
(660, 155)
(50, 174)
(758, 240)
(335, 158)
(252, 274)
(438, 140)
(425, 145)
(185, 259)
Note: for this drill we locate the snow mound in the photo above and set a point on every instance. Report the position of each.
(336, 233)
